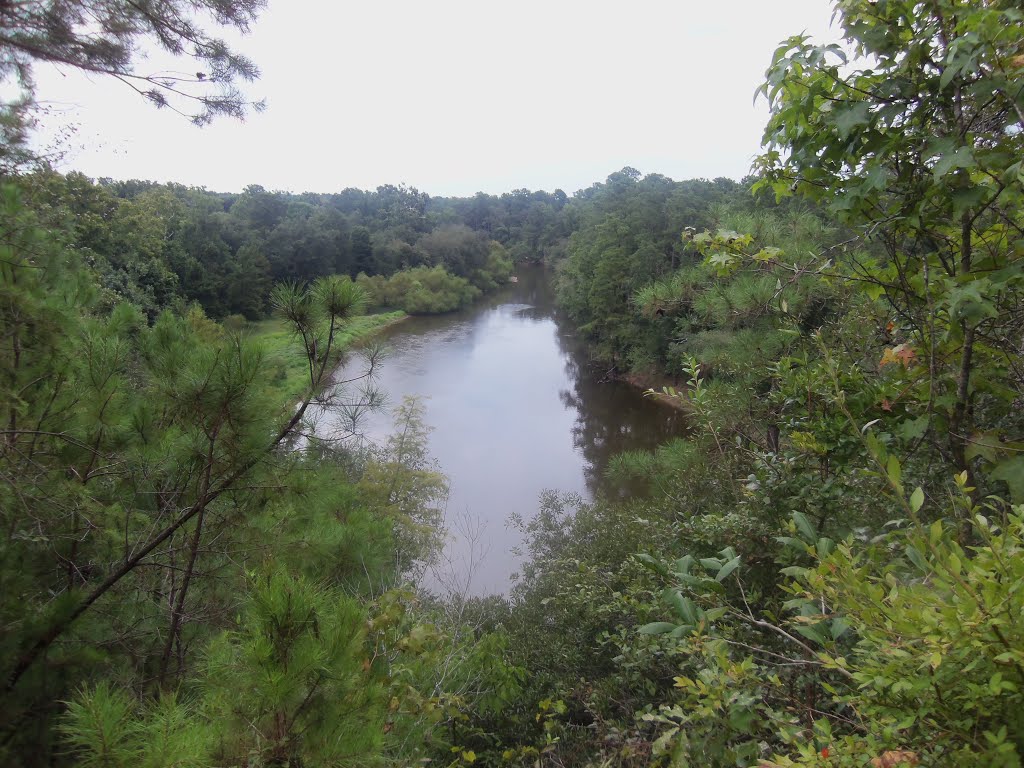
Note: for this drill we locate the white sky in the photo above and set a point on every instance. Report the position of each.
(459, 96)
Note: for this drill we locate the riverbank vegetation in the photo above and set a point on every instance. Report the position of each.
(287, 367)
(827, 570)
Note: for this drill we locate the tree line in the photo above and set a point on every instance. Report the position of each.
(156, 245)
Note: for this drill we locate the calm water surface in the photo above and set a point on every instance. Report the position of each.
(516, 408)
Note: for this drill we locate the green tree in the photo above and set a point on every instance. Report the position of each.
(408, 485)
(627, 237)
(126, 449)
(105, 37)
(917, 139)
(286, 686)
(248, 283)
(888, 648)
(297, 659)
(361, 248)
(458, 249)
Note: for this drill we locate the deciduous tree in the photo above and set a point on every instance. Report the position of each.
(914, 132)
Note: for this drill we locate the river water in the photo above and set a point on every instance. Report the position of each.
(516, 408)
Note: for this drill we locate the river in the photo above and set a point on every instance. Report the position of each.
(516, 408)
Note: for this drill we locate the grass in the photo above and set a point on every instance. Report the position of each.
(286, 363)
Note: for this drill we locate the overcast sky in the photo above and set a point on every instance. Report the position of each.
(460, 96)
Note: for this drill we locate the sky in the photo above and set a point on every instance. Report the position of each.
(458, 96)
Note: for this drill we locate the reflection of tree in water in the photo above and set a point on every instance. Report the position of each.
(611, 417)
(536, 288)
(532, 297)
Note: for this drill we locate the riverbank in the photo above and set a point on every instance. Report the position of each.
(648, 382)
(286, 361)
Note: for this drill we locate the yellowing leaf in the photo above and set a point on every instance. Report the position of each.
(902, 354)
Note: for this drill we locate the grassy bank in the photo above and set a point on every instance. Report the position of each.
(285, 360)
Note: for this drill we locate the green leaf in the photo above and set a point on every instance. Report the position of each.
(684, 563)
(812, 632)
(1011, 472)
(824, 547)
(906, 722)
(740, 718)
(962, 158)
(916, 499)
(969, 197)
(851, 118)
(681, 631)
(657, 628)
(689, 611)
(873, 290)
(839, 627)
(674, 599)
(948, 74)
(893, 471)
(653, 564)
(969, 302)
(984, 444)
(795, 571)
(728, 568)
(914, 556)
(877, 178)
(913, 429)
(710, 563)
(804, 526)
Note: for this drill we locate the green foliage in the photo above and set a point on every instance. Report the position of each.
(143, 480)
(903, 644)
(890, 647)
(316, 315)
(938, 658)
(290, 684)
(921, 151)
(420, 291)
(406, 484)
(160, 246)
(461, 251)
(287, 366)
(98, 726)
(646, 305)
(107, 728)
(820, 602)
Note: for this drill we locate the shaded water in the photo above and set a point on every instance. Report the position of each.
(516, 408)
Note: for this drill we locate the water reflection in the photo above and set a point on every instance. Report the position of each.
(516, 409)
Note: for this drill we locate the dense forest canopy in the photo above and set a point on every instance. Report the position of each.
(826, 570)
(156, 245)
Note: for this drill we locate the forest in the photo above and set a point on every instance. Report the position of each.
(827, 569)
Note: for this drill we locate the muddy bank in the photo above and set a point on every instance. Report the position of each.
(645, 382)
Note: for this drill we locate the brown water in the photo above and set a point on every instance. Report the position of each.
(516, 408)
